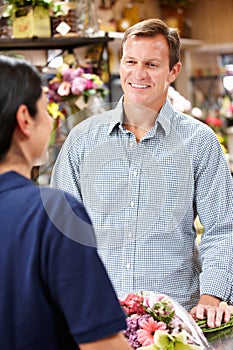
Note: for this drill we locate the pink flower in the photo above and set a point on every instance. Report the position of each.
(78, 85)
(53, 96)
(69, 83)
(67, 74)
(133, 304)
(54, 84)
(214, 121)
(64, 88)
(89, 84)
(148, 328)
(150, 301)
(78, 72)
(70, 74)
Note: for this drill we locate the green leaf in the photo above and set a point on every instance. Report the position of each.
(205, 329)
(218, 334)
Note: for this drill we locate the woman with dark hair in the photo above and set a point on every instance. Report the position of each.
(55, 292)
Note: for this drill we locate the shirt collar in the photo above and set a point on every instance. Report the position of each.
(164, 116)
(117, 116)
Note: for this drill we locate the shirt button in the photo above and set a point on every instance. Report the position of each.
(132, 204)
(128, 266)
(131, 144)
(135, 173)
(130, 235)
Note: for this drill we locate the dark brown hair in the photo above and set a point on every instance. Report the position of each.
(20, 83)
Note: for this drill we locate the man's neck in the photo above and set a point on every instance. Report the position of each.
(138, 119)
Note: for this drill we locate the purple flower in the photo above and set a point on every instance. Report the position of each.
(132, 327)
(78, 72)
(69, 74)
(53, 96)
(54, 85)
(78, 85)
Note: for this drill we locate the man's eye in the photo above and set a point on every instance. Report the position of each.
(130, 62)
(152, 65)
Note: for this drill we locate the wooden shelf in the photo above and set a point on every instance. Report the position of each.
(217, 49)
(51, 43)
(207, 77)
(186, 44)
(73, 42)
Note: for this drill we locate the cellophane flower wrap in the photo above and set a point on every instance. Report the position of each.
(156, 322)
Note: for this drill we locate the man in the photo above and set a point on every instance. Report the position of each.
(50, 296)
(144, 172)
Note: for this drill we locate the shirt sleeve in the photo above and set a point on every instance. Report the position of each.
(65, 174)
(76, 278)
(214, 203)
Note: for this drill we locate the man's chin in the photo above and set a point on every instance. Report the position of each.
(137, 99)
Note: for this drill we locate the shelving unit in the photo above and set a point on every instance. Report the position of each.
(64, 43)
(210, 86)
(185, 43)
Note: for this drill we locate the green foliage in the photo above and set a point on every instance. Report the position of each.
(162, 312)
(23, 3)
(205, 329)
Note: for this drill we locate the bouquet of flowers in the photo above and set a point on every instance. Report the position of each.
(156, 322)
(74, 85)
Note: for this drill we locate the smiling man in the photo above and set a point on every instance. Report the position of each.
(145, 77)
(144, 172)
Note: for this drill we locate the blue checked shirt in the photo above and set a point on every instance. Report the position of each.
(143, 199)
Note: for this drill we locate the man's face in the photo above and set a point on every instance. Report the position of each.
(144, 71)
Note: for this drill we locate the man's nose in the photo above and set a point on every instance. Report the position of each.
(140, 71)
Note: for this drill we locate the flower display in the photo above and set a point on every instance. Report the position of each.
(73, 84)
(156, 322)
(217, 124)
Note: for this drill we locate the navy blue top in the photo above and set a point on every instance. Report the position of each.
(54, 291)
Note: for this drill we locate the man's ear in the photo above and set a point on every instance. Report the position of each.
(175, 71)
(24, 120)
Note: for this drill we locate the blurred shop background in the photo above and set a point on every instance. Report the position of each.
(204, 88)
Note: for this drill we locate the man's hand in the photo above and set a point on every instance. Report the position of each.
(210, 308)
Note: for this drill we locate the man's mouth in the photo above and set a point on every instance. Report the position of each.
(138, 86)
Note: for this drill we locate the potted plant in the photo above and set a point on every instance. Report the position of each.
(31, 18)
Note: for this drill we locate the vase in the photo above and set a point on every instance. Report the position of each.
(77, 109)
(87, 19)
